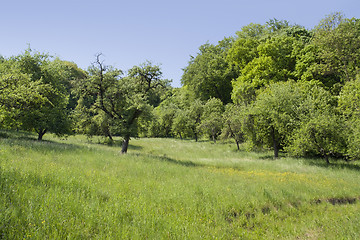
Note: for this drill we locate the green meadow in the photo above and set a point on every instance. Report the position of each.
(79, 188)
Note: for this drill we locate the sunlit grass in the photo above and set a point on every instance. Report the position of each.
(76, 188)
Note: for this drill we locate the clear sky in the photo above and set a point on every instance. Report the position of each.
(129, 32)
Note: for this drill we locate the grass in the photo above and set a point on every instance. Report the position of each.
(170, 189)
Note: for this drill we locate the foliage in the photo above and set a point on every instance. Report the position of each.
(180, 123)
(276, 114)
(234, 117)
(165, 114)
(45, 109)
(178, 114)
(195, 111)
(324, 134)
(211, 119)
(17, 94)
(208, 74)
(277, 80)
(349, 101)
(123, 100)
(321, 130)
(263, 61)
(339, 42)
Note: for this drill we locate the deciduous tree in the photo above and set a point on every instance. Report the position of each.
(211, 120)
(124, 99)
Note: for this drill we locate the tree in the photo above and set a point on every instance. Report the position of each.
(322, 134)
(321, 130)
(195, 111)
(17, 93)
(180, 123)
(274, 62)
(275, 25)
(349, 106)
(234, 122)
(265, 54)
(211, 120)
(179, 113)
(276, 114)
(123, 99)
(338, 40)
(51, 114)
(165, 114)
(208, 74)
(324, 52)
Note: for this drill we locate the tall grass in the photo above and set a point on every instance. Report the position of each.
(170, 189)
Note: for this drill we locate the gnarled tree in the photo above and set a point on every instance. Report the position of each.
(124, 99)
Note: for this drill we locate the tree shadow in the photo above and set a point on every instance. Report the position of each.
(134, 147)
(178, 162)
(29, 140)
(17, 134)
(268, 157)
(117, 143)
(334, 164)
(165, 158)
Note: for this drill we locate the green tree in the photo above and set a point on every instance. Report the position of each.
(51, 115)
(338, 40)
(18, 93)
(209, 74)
(180, 123)
(264, 54)
(234, 123)
(323, 134)
(321, 130)
(349, 106)
(276, 114)
(165, 114)
(274, 63)
(211, 120)
(179, 113)
(123, 100)
(195, 111)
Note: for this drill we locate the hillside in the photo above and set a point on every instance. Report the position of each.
(77, 188)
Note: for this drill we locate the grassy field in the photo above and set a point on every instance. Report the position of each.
(170, 189)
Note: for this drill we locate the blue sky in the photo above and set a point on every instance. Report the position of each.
(130, 32)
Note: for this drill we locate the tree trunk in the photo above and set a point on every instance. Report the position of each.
(109, 135)
(276, 150)
(128, 125)
(327, 159)
(275, 144)
(196, 137)
(125, 144)
(213, 135)
(41, 134)
(237, 144)
(180, 136)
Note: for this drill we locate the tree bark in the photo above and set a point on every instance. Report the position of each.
(276, 150)
(125, 144)
(213, 135)
(237, 144)
(110, 137)
(128, 125)
(41, 133)
(275, 143)
(327, 159)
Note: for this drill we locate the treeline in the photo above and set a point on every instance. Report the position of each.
(276, 86)
(284, 87)
(45, 94)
